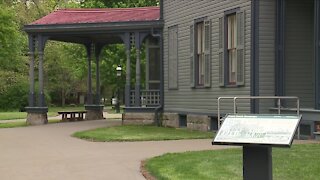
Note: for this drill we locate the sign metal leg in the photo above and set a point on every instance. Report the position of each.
(257, 163)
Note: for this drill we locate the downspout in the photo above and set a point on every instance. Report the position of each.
(161, 9)
(159, 109)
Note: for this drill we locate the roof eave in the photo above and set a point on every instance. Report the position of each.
(83, 27)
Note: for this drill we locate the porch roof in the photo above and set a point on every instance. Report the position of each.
(103, 15)
(103, 25)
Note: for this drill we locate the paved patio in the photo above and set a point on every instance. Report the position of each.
(49, 152)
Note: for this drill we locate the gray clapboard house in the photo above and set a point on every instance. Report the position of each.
(196, 52)
(216, 48)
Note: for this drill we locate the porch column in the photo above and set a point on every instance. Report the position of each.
(161, 70)
(147, 64)
(93, 107)
(41, 44)
(98, 49)
(317, 52)
(128, 70)
(37, 112)
(31, 70)
(89, 81)
(138, 71)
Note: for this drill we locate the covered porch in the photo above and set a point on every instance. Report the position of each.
(96, 28)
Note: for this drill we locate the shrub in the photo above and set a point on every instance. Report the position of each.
(13, 90)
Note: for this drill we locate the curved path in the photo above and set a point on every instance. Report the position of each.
(50, 153)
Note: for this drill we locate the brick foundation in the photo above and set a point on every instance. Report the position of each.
(170, 120)
(198, 122)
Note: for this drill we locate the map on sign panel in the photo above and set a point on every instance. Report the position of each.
(259, 129)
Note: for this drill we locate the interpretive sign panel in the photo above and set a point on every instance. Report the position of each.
(277, 130)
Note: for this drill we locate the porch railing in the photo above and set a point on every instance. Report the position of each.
(148, 98)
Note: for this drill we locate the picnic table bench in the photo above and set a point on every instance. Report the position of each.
(72, 115)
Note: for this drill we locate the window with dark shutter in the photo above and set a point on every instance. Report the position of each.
(221, 51)
(200, 53)
(173, 57)
(192, 57)
(240, 48)
(232, 49)
(207, 54)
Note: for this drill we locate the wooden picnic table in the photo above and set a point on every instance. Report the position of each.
(72, 115)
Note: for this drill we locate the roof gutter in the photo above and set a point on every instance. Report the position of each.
(161, 9)
(85, 27)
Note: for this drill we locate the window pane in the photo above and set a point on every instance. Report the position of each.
(200, 53)
(232, 45)
(154, 64)
(201, 70)
(232, 31)
(232, 66)
(199, 37)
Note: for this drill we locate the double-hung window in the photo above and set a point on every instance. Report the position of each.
(200, 60)
(200, 53)
(231, 49)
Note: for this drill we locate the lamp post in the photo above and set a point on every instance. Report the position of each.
(119, 71)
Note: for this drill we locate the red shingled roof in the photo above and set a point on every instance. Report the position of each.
(103, 15)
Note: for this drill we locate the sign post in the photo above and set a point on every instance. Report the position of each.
(257, 134)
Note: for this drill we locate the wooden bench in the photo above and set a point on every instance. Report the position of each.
(72, 115)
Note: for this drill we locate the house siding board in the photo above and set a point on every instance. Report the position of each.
(299, 50)
(192, 100)
(267, 29)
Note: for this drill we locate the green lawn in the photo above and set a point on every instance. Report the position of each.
(301, 162)
(53, 111)
(140, 133)
(23, 124)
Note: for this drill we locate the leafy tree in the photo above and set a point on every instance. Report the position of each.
(10, 41)
(118, 3)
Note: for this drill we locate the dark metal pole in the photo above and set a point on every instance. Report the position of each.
(118, 97)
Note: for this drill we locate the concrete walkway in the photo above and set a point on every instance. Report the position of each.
(105, 115)
(49, 153)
